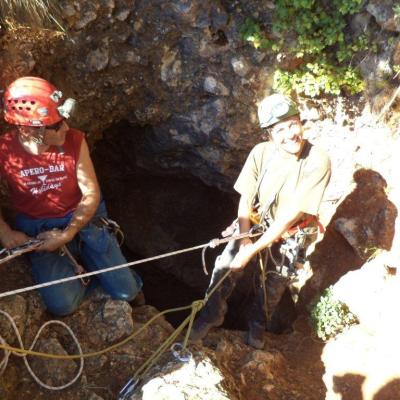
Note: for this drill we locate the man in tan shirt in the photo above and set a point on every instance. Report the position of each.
(286, 176)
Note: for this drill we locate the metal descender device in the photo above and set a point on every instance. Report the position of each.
(9, 254)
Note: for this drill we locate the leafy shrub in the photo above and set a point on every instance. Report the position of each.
(316, 78)
(330, 316)
(318, 26)
(315, 32)
(251, 32)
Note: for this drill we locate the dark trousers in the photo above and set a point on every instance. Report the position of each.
(216, 307)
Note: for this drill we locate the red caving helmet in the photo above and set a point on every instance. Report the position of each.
(32, 101)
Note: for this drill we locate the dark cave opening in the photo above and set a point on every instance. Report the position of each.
(166, 212)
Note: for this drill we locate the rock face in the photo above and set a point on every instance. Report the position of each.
(352, 235)
(178, 68)
(362, 360)
(383, 11)
(170, 88)
(198, 379)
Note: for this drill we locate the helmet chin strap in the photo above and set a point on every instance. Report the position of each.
(38, 140)
(35, 138)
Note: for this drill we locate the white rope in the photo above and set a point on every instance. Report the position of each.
(100, 271)
(4, 361)
(212, 243)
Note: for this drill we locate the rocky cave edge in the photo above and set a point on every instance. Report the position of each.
(167, 94)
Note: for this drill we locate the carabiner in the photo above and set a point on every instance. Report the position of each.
(258, 228)
(8, 254)
(181, 354)
(128, 389)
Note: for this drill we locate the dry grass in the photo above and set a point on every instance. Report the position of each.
(34, 13)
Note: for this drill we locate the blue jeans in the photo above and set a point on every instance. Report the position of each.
(95, 247)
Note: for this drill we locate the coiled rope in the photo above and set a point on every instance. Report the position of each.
(141, 371)
(21, 352)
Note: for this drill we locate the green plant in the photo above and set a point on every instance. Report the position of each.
(250, 31)
(314, 31)
(316, 25)
(396, 10)
(319, 77)
(330, 316)
(347, 50)
(396, 69)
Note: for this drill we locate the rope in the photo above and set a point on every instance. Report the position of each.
(195, 304)
(8, 350)
(263, 281)
(195, 307)
(216, 242)
(213, 243)
(280, 264)
(22, 352)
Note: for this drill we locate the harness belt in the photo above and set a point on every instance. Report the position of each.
(255, 220)
(303, 224)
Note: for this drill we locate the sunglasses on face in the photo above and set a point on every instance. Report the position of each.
(55, 126)
(42, 129)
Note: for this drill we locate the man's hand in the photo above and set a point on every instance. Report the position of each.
(53, 240)
(244, 255)
(11, 238)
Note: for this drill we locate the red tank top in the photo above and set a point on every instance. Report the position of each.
(45, 185)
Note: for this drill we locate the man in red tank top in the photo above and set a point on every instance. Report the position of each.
(54, 189)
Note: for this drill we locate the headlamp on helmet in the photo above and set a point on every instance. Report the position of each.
(33, 101)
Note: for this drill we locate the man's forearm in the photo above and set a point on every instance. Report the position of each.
(83, 213)
(244, 215)
(274, 232)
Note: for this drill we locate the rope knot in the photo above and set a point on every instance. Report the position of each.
(214, 243)
(197, 305)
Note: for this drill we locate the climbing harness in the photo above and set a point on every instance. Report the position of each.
(9, 254)
(293, 247)
(292, 255)
(292, 250)
(112, 226)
